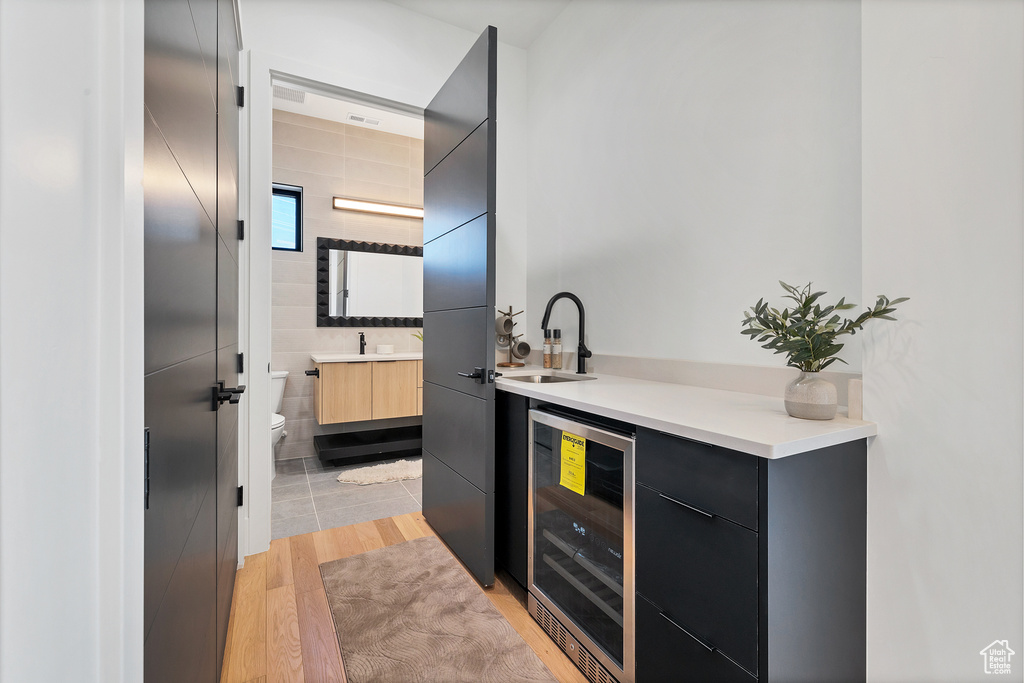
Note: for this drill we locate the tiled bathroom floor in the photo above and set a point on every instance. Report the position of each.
(306, 497)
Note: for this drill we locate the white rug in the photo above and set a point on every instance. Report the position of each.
(379, 474)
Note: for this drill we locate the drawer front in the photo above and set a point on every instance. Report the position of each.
(718, 480)
(667, 654)
(702, 571)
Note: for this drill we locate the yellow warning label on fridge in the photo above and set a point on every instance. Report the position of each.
(574, 463)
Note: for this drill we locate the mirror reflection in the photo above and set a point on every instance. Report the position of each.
(375, 285)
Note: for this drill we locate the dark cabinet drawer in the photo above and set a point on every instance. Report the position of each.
(701, 570)
(665, 653)
(718, 480)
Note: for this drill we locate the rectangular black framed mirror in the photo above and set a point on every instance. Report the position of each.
(367, 284)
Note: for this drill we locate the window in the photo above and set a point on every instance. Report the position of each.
(286, 221)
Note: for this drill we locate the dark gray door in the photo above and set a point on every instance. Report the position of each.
(458, 309)
(191, 304)
(228, 360)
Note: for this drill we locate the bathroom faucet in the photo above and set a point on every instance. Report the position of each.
(582, 352)
(362, 344)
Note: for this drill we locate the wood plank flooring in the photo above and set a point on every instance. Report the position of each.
(281, 629)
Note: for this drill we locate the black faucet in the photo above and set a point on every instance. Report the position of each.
(582, 352)
(362, 344)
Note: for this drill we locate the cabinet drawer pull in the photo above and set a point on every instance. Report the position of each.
(709, 648)
(688, 507)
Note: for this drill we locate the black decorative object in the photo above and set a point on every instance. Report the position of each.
(323, 275)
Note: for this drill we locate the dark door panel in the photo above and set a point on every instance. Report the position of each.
(204, 18)
(179, 95)
(182, 432)
(457, 191)
(452, 501)
(183, 636)
(465, 100)
(456, 266)
(227, 296)
(457, 433)
(191, 317)
(180, 262)
(458, 318)
(466, 337)
(227, 127)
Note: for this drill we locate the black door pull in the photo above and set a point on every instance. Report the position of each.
(230, 394)
(477, 374)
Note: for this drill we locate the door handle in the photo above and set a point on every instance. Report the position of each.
(477, 374)
(230, 394)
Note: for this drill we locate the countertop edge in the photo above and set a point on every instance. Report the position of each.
(357, 358)
(761, 448)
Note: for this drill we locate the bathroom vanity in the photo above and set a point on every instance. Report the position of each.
(747, 530)
(369, 391)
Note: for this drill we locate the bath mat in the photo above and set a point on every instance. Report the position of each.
(409, 612)
(379, 474)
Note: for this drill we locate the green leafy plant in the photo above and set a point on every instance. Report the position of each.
(807, 331)
(418, 335)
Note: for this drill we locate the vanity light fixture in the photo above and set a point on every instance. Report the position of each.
(344, 204)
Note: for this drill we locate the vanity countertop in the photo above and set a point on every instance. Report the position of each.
(749, 423)
(357, 358)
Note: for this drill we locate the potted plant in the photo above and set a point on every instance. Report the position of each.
(806, 333)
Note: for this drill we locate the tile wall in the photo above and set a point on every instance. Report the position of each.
(330, 159)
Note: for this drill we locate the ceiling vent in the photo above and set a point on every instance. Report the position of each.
(283, 93)
(365, 120)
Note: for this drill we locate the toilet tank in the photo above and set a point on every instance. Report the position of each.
(277, 380)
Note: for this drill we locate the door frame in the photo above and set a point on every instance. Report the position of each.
(259, 69)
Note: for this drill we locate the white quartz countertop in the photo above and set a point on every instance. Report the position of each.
(749, 423)
(357, 358)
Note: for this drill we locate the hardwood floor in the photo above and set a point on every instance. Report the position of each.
(281, 628)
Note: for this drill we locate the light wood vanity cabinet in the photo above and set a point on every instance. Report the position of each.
(366, 390)
(394, 389)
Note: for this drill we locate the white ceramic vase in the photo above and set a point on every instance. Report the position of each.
(811, 398)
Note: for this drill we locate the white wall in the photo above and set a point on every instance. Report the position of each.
(943, 94)
(71, 420)
(684, 157)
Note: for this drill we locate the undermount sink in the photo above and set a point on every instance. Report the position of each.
(549, 379)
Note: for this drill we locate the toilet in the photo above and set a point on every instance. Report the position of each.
(277, 380)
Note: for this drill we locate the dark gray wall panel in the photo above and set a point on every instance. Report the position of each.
(816, 620)
(178, 93)
(180, 262)
(467, 98)
(456, 265)
(459, 190)
(461, 514)
(467, 337)
(185, 625)
(227, 296)
(453, 433)
(182, 432)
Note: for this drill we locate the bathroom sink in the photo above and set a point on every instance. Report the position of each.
(548, 379)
